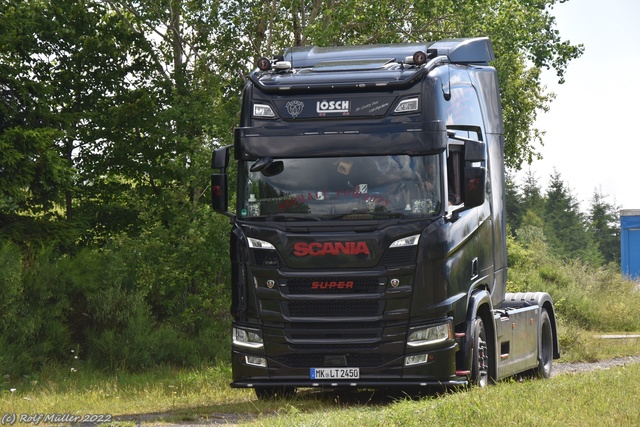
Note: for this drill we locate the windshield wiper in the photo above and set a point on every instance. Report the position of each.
(369, 215)
(293, 217)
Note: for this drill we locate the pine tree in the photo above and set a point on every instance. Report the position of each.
(604, 226)
(565, 225)
(513, 201)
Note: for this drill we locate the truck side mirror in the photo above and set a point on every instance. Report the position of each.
(474, 151)
(220, 158)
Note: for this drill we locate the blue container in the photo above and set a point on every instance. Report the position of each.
(630, 242)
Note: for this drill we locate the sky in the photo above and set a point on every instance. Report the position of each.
(590, 138)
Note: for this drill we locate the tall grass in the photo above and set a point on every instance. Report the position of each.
(585, 297)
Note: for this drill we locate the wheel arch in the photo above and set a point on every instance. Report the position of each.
(480, 305)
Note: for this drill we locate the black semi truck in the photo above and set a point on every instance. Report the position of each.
(368, 237)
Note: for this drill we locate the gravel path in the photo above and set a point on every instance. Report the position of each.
(574, 368)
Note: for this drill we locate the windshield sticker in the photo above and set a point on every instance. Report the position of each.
(344, 167)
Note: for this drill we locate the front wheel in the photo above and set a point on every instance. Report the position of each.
(545, 356)
(480, 358)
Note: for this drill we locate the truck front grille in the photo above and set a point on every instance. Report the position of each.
(331, 308)
(366, 360)
(399, 257)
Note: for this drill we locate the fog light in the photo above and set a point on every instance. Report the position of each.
(417, 359)
(256, 361)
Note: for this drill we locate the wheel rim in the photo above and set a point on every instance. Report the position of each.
(481, 355)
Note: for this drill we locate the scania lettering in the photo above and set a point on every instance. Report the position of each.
(368, 242)
(330, 248)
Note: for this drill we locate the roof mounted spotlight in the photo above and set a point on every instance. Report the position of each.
(264, 64)
(419, 57)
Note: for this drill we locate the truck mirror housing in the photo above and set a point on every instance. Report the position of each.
(474, 183)
(220, 158)
(219, 191)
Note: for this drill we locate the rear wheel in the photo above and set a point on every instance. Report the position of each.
(545, 357)
(480, 358)
(270, 393)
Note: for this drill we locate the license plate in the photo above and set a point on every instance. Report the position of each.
(334, 373)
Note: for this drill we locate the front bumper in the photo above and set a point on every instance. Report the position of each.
(440, 370)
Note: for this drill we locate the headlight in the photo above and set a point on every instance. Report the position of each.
(246, 338)
(432, 335)
(407, 106)
(259, 244)
(263, 110)
(406, 241)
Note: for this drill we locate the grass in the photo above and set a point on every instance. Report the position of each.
(175, 395)
(601, 398)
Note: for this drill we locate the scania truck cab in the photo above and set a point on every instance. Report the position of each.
(367, 239)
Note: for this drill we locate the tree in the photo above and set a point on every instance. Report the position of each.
(565, 226)
(523, 34)
(140, 92)
(32, 168)
(604, 226)
(513, 202)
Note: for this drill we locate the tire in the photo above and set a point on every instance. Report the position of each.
(272, 393)
(545, 355)
(480, 355)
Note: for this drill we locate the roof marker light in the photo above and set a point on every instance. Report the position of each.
(419, 57)
(264, 64)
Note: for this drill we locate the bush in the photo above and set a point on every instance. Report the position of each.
(161, 297)
(586, 297)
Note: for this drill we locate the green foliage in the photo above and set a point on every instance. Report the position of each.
(135, 303)
(108, 116)
(568, 233)
(32, 322)
(604, 226)
(586, 297)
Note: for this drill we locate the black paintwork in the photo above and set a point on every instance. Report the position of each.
(457, 271)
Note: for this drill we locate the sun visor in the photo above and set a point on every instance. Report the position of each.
(340, 140)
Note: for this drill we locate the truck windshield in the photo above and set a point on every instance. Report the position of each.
(356, 188)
